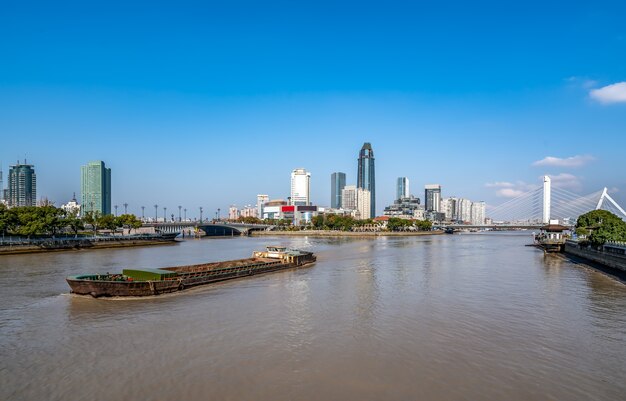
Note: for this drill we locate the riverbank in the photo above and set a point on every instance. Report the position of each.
(328, 233)
(610, 256)
(59, 245)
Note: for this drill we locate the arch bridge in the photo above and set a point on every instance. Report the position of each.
(212, 229)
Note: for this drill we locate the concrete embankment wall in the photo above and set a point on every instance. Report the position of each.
(325, 233)
(611, 260)
(19, 249)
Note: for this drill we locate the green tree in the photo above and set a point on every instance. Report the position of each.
(8, 220)
(107, 221)
(29, 221)
(92, 218)
(603, 226)
(74, 223)
(127, 220)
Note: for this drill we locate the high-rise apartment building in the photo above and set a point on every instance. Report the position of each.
(448, 207)
(478, 213)
(464, 210)
(363, 200)
(95, 188)
(432, 197)
(233, 213)
(402, 188)
(300, 187)
(22, 185)
(348, 197)
(366, 174)
(261, 200)
(337, 183)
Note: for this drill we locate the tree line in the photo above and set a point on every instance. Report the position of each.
(342, 223)
(30, 221)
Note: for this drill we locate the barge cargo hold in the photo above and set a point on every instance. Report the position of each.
(145, 282)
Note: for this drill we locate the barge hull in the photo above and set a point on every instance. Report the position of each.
(98, 288)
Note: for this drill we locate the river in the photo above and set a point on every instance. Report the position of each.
(449, 317)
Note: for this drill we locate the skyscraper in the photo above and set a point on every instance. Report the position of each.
(95, 188)
(402, 188)
(22, 186)
(300, 187)
(432, 197)
(366, 174)
(337, 183)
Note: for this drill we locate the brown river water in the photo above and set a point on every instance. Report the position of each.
(454, 317)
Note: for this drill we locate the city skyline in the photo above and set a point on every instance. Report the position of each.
(484, 118)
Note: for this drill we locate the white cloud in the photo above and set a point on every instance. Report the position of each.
(509, 192)
(566, 181)
(574, 161)
(615, 93)
(499, 184)
(581, 82)
(505, 189)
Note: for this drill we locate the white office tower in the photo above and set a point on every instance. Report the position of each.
(300, 187)
(478, 213)
(363, 203)
(348, 197)
(261, 200)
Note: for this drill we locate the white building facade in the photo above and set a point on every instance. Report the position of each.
(363, 203)
(478, 213)
(348, 197)
(300, 187)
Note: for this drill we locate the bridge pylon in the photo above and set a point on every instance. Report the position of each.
(547, 188)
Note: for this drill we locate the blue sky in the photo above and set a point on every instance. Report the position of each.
(208, 104)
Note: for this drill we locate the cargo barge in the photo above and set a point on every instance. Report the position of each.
(145, 282)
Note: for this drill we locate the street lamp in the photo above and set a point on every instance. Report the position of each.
(142, 214)
(185, 214)
(219, 217)
(200, 214)
(179, 207)
(164, 214)
(115, 210)
(156, 213)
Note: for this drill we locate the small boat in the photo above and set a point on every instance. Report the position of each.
(144, 282)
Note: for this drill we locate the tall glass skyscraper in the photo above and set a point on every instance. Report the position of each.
(365, 175)
(337, 184)
(95, 188)
(22, 186)
(402, 188)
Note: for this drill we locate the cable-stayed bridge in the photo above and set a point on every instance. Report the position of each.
(541, 204)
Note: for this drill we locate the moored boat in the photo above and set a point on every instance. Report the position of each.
(144, 282)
